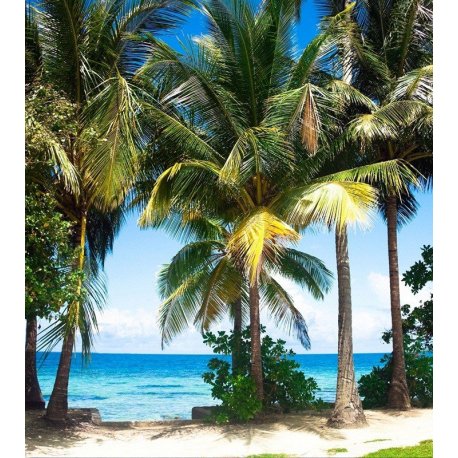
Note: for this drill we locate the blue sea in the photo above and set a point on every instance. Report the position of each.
(158, 387)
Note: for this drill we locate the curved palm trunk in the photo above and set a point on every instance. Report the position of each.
(398, 394)
(348, 410)
(58, 403)
(237, 337)
(256, 358)
(33, 397)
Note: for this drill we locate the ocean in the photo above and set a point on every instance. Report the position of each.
(160, 387)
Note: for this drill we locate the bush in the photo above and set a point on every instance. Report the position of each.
(285, 387)
(417, 325)
(419, 372)
(374, 386)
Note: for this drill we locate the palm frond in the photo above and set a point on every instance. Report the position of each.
(305, 270)
(113, 163)
(415, 85)
(332, 203)
(62, 22)
(222, 288)
(261, 235)
(282, 309)
(162, 198)
(177, 312)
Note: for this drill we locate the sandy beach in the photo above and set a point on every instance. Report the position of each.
(294, 434)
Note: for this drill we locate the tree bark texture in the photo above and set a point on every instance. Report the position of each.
(398, 393)
(237, 337)
(348, 410)
(33, 396)
(256, 357)
(58, 403)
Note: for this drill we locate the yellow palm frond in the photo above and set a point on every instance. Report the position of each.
(260, 235)
(162, 198)
(334, 204)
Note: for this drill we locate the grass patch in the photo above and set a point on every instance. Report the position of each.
(423, 450)
(376, 440)
(334, 451)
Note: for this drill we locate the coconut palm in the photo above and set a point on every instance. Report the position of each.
(347, 407)
(243, 123)
(202, 284)
(89, 52)
(393, 68)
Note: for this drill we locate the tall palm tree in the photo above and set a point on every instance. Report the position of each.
(348, 409)
(397, 124)
(90, 51)
(243, 123)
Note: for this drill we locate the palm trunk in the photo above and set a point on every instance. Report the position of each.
(33, 397)
(237, 337)
(398, 394)
(348, 410)
(58, 403)
(255, 331)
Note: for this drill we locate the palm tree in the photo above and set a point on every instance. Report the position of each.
(242, 122)
(89, 52)
(397, 124)
(348, 409)
(202, 284)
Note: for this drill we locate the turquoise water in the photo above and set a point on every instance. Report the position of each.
(156, 387)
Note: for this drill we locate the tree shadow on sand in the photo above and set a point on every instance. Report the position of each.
(312, 423)
(40, 433)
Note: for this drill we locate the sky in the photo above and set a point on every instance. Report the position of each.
(129, 322)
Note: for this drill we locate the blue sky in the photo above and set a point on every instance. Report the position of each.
(128, 324)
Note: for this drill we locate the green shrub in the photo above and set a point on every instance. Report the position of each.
(374, 387)
(419, 371)
(417, 325)
(285, 387)
(237, 393)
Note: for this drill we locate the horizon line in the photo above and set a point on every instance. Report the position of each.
(203, 354)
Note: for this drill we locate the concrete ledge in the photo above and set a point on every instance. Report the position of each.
(199, 413)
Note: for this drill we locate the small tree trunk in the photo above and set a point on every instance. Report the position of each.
(348, 410)
(398, 393)
(237, 337)
(33, 397)
(58, 402)
(256, 357)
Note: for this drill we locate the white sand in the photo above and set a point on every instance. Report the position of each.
(297, 435)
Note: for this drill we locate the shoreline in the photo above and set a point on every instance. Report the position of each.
(298, 434)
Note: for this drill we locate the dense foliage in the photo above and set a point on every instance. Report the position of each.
(418, 342)
(50, 281)
(285, 387)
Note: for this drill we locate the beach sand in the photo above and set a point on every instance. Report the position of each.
(293, 434)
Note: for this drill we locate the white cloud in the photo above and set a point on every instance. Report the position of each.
(123, 323)
(380, 285)
(135, 330)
